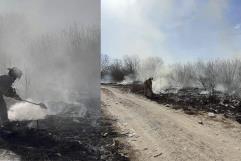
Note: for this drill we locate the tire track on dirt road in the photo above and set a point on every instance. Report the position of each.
(158, 133)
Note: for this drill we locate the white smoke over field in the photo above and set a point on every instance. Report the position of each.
(26, 111)
(213, 75)
(145, 68)
(154, 67)
(73, 109)
(57, 46)
(127, 80)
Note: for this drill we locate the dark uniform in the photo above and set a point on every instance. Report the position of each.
(6, 89)
(148, 88)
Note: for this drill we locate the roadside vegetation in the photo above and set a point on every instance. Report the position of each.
(213, 75)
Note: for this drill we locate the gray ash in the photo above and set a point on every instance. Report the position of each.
(60, 139)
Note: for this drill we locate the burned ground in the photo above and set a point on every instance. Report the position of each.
(59, 138)
(193, 100)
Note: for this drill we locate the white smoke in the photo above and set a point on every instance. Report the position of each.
(160, 82)
(150, 67)
(127, 80)
(57, 51)
(73, 109)
(154, 67)
(26, 111)
(106, 79)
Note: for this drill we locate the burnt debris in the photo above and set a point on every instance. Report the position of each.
(59, 138)
(193, 100)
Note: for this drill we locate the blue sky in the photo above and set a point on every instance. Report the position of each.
(175, 30)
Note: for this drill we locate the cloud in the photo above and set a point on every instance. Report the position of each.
(237, 26)
(133, 31)
(140, 26)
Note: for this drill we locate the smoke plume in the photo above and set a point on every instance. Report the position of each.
(56, 44)
(26, 111)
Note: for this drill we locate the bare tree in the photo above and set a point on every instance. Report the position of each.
(211, 76)
(206, 74)
(130, 66)
(200, 74)
(228, 74)
(116, 70)
(182, 75)
(105, 64)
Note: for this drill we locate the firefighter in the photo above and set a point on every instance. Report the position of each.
(148, 88)
(6, 89)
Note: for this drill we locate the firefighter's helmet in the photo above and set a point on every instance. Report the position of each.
(15, 72)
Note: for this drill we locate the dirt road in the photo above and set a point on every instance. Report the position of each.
(159, 133)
